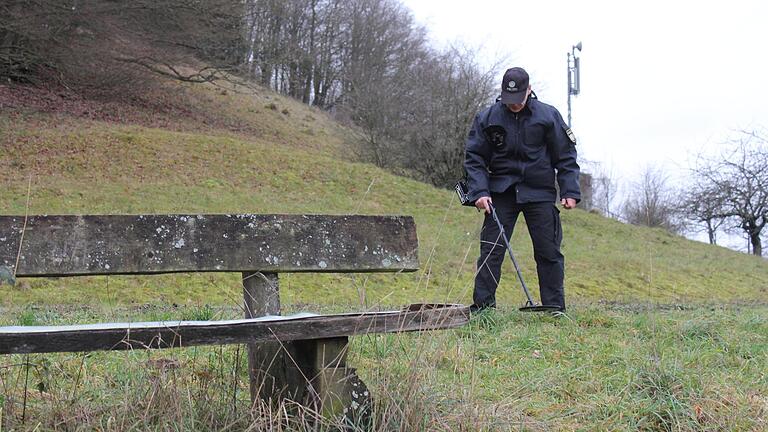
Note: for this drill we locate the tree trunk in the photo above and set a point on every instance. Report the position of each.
(711, 233)
(757, 244)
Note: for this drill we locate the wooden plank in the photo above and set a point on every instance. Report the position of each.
(124, 336)
(148, 244)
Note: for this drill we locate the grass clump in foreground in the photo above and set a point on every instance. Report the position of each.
(613, 368)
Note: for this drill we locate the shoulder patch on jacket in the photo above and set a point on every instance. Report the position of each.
(571, 135)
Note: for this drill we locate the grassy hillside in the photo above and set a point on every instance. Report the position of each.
(618, 362)
(262, 153)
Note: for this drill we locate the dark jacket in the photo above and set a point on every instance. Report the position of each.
(523, 150)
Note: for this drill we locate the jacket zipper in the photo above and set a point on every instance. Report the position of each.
(519, 150)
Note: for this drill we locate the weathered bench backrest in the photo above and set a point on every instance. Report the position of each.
(150, 244)
(283, 353)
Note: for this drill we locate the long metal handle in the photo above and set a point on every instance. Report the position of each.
(514, 261)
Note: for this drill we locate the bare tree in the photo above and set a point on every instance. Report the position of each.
(452, 87)
(736, 184)
(605, 190)
(370, 63)
(380, 64)
(703, 204)
(652, 203)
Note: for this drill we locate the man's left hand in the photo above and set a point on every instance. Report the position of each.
(568, 203)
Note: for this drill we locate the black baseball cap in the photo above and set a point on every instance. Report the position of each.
(514, 86)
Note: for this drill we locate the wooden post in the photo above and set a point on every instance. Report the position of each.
(338, 389)
(262, 294)
(306, 371)
(266, 361)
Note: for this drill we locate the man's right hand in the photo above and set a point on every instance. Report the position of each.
(484, 203)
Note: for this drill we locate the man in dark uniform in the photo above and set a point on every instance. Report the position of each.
(516, 150)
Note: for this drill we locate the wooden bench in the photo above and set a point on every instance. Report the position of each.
(298, 357)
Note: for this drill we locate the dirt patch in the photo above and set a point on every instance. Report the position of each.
(171, 107)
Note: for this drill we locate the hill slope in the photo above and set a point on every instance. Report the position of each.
(261, 153)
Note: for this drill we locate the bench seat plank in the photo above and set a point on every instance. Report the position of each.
(154, 335)
(150, 244)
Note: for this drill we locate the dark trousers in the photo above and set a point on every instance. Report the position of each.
(543, 220)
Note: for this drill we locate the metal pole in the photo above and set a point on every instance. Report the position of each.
(568, 70)
(574, 85)
(512, 256)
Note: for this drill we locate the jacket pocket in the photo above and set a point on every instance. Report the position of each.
(534, 141)
(534, 135)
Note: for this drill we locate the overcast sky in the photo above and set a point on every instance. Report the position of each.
(660, 80)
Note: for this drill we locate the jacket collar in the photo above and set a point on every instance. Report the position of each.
(528, 109)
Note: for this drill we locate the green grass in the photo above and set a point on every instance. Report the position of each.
(602, 368)
(638, 365)
(664, 333)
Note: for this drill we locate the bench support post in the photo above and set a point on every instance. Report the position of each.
(336, 388)
(312, 372)
(266, 361)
